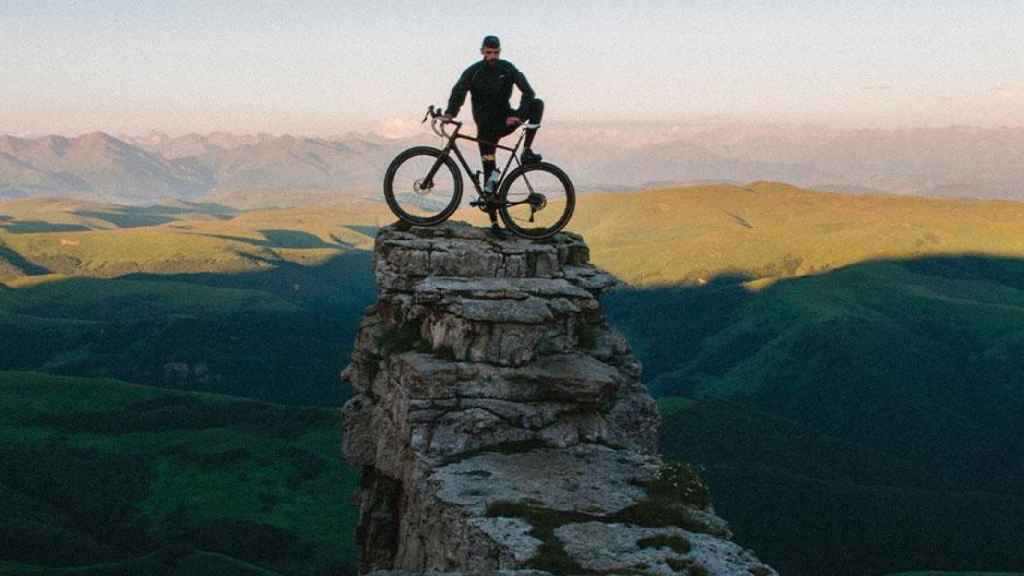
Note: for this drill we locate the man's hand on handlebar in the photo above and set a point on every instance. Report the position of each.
(433, 114)
(513, 121)
(438, 119)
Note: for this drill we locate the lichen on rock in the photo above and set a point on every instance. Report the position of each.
(501, 424)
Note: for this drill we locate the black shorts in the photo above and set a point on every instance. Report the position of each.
(490, 136)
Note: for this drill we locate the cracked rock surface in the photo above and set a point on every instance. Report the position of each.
(501, 424)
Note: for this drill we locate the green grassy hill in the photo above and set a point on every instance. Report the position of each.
(279, 335)
(871, 411)
(102, 477)
(65, 238)
(262, 304)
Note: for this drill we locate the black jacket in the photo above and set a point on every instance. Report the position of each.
(491, 87)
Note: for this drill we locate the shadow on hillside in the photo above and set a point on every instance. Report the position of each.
(860, 421)
(39, 226)
(349, 274)
(122, 217)
(280, 238)
(18, 261)
(127, 219)
(739, 220)
(296, 239)
(208, 208)
(280, 334)
(370, 231)
(143, 216)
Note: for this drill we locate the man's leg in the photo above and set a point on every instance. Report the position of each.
(536, 113)
(487, 153)
(487, 158)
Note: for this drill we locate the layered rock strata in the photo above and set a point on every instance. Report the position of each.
(501, 424)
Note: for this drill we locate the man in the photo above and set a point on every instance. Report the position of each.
(490, 82)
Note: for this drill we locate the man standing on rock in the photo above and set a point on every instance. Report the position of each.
(490, 82)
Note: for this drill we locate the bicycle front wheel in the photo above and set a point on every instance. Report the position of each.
(416, 196)
(536, 200)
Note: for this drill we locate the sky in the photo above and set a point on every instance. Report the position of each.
(326, 67)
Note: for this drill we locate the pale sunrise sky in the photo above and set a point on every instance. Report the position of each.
(324, 67)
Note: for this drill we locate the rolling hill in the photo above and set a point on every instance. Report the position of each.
(852, 361)
(870, 411)
(102, 477)
(261, 304)
(766, 229)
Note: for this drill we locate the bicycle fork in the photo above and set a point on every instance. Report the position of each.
(428, 180)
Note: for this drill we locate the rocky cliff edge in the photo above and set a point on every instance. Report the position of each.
(501, 424)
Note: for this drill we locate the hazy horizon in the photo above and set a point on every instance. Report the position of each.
(132, 67)
(400, 128)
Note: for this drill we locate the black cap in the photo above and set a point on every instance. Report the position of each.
(491, 42)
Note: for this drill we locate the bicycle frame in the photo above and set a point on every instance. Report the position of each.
(452, 146)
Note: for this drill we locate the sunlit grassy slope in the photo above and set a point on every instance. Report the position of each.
(65, 238)
(663, 236)
(769, 229)
(112, 478)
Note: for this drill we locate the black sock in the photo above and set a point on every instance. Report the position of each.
(489, 166)
(535, 115)
(530, 133)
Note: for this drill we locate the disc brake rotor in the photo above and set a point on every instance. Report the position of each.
(420, 189)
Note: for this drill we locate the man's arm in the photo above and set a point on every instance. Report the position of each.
(459, 91)
(527, 94)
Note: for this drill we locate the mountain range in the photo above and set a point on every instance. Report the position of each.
(94, 165)
(246, 170)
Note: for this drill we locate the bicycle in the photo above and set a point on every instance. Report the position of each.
(534, 200)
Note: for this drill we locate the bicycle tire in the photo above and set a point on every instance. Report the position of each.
(393, 199)
(558, 186)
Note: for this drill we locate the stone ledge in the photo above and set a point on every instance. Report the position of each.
(433, 288)
(575, 378)
(586, 478)
(458, 249)
(616, 548)
(436, 573)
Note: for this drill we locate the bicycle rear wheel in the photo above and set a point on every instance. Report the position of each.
(414, 199)
(536, 200)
